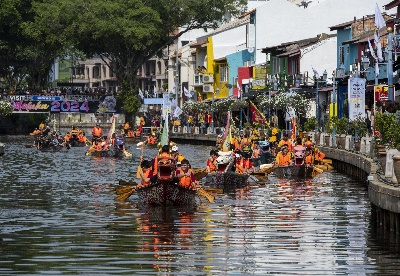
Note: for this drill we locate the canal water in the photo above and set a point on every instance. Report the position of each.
(58, 216)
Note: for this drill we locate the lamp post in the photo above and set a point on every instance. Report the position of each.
(334, 106)
(212, 112)
(323, 80)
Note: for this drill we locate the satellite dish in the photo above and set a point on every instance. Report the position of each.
(250, 50)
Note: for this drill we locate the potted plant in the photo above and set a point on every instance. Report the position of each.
(358, 129)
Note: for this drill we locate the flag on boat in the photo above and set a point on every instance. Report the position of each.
(141, 93)
(228, 140)
(164, 134)
(256, 115)
(111, 130)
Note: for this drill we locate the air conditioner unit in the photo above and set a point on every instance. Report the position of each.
(208, 88)
(208, 79)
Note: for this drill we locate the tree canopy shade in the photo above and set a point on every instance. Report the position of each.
(24, 51)
(125, 33)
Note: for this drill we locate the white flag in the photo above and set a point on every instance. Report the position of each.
(315, 73)
(379, 52)
(379, 20)
(141, 93)
(173, 91)
(177, 112)
(187, 93)
(376, 69)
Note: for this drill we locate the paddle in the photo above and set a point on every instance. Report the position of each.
(206, 195)
(199, 173)
(123, 190)
(139, 169)
(318, 170)
(127, 182)
(125, 196)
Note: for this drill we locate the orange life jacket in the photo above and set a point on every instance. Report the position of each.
(283, 160)
(242, 165)
(319, 156)
(309, 159)
(152, 140)
(97, 131)
(211, 165)
(186, 181)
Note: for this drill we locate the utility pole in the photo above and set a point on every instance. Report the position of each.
(177, 73)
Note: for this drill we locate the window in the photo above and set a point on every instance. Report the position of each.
(341, 55)
(223, 73)
(275, 65)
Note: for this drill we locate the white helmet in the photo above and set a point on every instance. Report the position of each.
(174, 148)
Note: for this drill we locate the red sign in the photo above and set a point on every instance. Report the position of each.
(381, 93)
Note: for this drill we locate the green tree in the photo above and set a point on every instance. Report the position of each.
(126, 33)
(25, 51)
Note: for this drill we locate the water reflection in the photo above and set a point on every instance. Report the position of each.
(58, 216)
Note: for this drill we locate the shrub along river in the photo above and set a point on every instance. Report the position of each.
(58, 216)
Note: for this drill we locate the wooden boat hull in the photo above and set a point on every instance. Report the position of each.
(224, 180)
(302, 171)
(131, 139)
(166, 193)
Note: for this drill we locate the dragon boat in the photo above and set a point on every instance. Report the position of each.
(225, 176)
(165, 190)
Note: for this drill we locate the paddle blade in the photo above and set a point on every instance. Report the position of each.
(206, 195)
(125, 182)
(318, 170)
(139, 171)
(199, 173)
(125, 196)
(123, 190)
(139, 144)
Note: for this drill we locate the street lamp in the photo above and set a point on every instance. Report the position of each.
(334, 106)
(212, 111)
(323, 80)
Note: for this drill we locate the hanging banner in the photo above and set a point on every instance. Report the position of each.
(356, 98)
(381, 93)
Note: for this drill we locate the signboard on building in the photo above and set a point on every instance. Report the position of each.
(106, 105)
(356, 98)
(381, 93)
